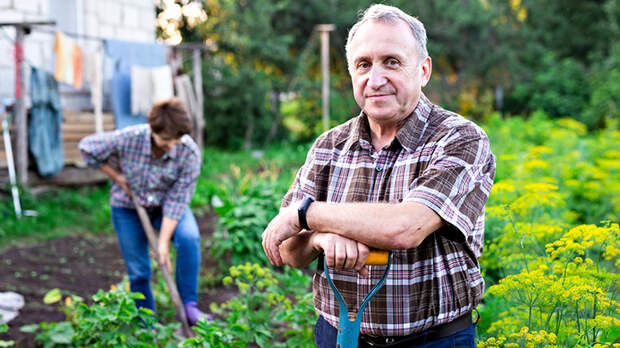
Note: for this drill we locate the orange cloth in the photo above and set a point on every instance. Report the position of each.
(68, 67)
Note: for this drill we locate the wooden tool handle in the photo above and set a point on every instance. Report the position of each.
(377, 257)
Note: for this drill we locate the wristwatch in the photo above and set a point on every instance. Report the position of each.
(301, 212)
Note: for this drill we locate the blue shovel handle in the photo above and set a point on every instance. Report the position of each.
(349, 329)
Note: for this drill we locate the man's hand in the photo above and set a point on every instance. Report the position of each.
(342, 253)
(163, 251)
(281, 228)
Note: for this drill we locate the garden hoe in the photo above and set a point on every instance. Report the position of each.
(172, 288)
(8, 150)
(349, 326)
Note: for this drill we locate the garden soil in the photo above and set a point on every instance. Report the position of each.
(79, 265)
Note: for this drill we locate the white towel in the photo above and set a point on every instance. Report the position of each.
(148, 86)
(93, 74)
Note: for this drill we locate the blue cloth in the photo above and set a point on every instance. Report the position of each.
(125, 54)
(325, 337)
(135, 249)
(45, 127)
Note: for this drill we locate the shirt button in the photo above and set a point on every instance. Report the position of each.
(379, 168)
(150, 198)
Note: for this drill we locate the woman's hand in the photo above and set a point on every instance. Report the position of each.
(163, 251)
(118, 177)
(121, 180)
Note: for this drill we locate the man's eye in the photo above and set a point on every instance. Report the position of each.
(363, 65)
(392, 62)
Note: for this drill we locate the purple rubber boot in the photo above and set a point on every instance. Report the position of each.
(194, 314)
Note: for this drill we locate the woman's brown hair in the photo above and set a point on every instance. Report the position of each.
(169, 117)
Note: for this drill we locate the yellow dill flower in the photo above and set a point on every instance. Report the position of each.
(497, 211)
(540, 150)
(503, 185)
(612, 154)
(535, 164)
(608, 164)
(574, 125)
(507, 157)
(540, 187)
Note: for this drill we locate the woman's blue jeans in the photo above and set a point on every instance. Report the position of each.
(135, 249)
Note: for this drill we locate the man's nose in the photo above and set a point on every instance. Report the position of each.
(376, 77)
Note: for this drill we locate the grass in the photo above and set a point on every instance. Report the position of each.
(59, 212)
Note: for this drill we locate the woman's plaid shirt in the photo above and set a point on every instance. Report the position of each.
(438, 158)
(168, 182)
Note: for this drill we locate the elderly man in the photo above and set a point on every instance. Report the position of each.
(404, 175)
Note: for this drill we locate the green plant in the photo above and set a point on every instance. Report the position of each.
(52, 335)
(237, 238)
(5, 328)
(111, 321)
(264, 313)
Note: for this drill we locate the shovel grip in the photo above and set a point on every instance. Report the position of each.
(377, 257)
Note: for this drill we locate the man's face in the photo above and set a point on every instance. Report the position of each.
(386, 71)
(165, 141)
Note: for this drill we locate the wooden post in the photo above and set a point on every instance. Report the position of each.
(21, 124)
(197, 70)
(325, 29)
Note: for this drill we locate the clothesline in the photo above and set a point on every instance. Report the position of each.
(187, 45)
(72, 58)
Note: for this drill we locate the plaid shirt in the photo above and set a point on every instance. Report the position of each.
(168, 181)
(437, 158)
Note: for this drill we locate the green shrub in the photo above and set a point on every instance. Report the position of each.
(264, 313)
(113, 320)
(243, 218)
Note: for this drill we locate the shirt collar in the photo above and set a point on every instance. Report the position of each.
(408, 135)
(147, 148)
(415, 125)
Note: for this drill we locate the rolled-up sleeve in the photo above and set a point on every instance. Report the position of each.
(179, 196)
(304, 183)
(457, 182)
(97, 148)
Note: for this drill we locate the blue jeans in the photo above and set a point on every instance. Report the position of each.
(325, 337)
(135, 249)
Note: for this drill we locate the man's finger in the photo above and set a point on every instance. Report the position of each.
(329, 255)
(266, 242)
(362, 255)
(340, 255)
(363, 271)
(351, 260)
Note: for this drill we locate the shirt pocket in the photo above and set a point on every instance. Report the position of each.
(166, 177)
(134, 173)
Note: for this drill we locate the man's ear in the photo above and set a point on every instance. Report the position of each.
(427, 68)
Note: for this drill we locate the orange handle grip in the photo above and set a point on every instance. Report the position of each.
(377, 257)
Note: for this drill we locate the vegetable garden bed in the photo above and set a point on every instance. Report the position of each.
(78, 265)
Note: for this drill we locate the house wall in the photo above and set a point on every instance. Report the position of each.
(132, 20)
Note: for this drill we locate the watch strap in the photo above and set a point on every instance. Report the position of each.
(301, 213)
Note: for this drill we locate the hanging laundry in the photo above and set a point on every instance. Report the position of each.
(185, 92)
(148, 86)
(126, 54)
(93, 75)
(68, 67)
(44, 128)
